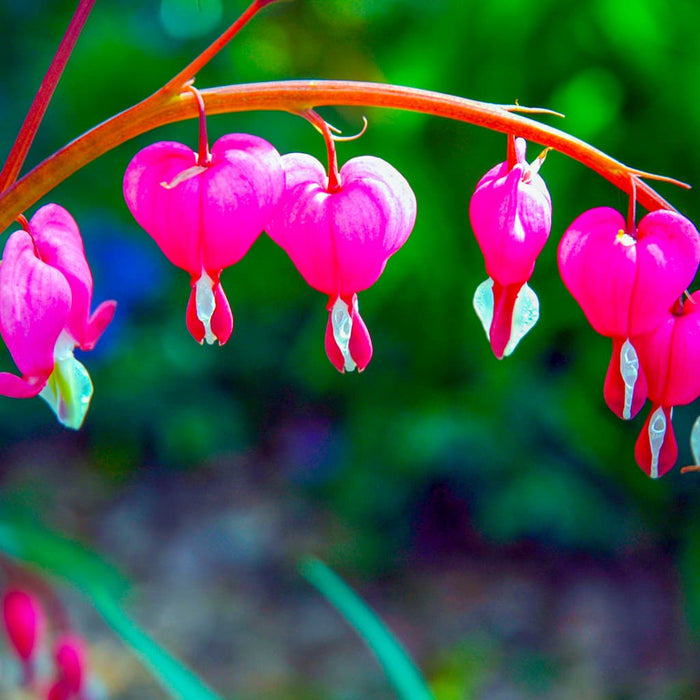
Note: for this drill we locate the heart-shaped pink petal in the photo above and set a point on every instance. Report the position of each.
(625, 283)
(340, 241)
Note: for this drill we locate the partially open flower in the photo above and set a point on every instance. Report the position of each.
(45, 297)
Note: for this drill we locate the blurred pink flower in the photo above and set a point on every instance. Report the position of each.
(23, 620)
(69, 656)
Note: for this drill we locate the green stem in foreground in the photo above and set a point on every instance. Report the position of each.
(398, 666)
(299, 96)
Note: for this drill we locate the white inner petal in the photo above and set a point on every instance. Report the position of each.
(695, 441)
(69, 389)
(206, 304)
(63, 350)
(629, 369)
(483, 304)
(341, 322)
(526, 312)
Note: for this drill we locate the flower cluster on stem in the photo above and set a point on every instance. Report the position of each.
(205, 208)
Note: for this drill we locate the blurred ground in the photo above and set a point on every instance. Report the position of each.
(213, 554)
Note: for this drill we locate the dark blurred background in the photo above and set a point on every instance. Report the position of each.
(491, 512)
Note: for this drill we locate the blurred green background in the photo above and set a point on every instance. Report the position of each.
(491, 511)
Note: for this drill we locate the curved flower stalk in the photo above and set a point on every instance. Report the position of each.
(45, 298)
(670, 358)
(626, 279)
(511, 214)
(205, 211)
(340, 236)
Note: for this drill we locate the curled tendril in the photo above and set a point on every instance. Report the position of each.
(326, 128)
(336, 132)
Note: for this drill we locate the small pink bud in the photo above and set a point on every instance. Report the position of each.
(340, 241)
(23, 619)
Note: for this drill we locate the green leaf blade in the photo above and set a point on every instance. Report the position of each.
(399, 668)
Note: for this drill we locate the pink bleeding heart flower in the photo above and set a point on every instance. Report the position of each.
(670, 358)
(626, 281)
(23, 619)
(205, 214)
(45, 297)
(340, 240)
(511, 215)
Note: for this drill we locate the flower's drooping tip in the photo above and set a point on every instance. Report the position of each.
(209, 316)
(495, 305)
(68, 390)
(629, 371)
(656, 450)
(625, 387)
(348, 343)
(341, 323)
